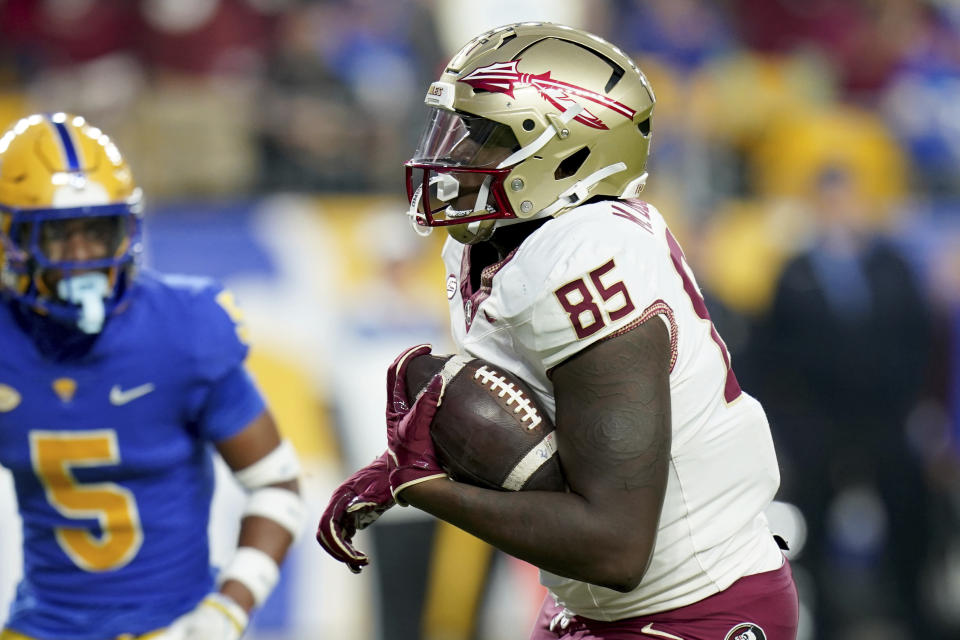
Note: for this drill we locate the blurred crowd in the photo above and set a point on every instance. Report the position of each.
(806, 153)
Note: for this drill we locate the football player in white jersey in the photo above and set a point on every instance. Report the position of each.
(533, 159)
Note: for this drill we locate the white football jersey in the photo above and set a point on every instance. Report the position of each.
(588, 275)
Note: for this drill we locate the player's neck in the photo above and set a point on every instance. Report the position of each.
(498, 247)
(54, 340)
(506, 239)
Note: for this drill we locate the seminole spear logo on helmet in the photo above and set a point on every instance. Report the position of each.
(504, 77)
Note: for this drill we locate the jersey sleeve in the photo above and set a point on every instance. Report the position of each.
(596, 276)
(226, 397)
(232, 402)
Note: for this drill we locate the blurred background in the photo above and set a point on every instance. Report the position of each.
(805, 153)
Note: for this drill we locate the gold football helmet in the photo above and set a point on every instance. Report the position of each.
(528, 121)
(64, 184)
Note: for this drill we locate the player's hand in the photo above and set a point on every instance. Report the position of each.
(413, 459)
(355, 505)
(217, 617)
(397, 402)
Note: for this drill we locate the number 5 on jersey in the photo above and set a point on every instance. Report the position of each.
(55, 454)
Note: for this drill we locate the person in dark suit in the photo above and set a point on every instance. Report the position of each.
(846, 345)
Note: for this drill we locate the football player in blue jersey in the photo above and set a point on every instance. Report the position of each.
(115, 385)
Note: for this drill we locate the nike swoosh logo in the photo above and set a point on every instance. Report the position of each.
(120, 397)
(650, 631)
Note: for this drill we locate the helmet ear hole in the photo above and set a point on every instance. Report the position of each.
(644, 127)
(571, 164)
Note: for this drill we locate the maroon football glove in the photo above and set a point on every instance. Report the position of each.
(355, 505)
(413, 459)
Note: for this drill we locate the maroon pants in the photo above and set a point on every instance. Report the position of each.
(763, 606)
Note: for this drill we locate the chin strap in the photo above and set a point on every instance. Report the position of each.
(88, 291)
(580, 190)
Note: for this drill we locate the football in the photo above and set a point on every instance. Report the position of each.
(489, 430)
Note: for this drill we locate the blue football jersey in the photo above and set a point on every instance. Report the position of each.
(111, 460)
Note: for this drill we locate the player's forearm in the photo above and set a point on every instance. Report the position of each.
(265, 535)
(559, 532)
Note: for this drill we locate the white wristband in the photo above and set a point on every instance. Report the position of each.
(255, 570)
(284, 507)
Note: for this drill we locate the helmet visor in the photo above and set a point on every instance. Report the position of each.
(461, 140)
(454, 176)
